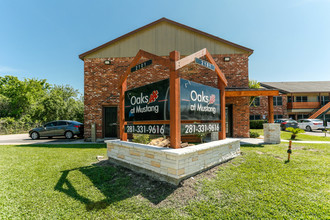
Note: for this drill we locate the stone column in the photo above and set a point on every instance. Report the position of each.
(272, 133)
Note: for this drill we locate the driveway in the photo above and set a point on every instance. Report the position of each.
(19, 139)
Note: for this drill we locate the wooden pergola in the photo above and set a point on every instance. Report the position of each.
(174, 63)
(251, 92)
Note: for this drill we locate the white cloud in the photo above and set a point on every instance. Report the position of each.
(7, 69)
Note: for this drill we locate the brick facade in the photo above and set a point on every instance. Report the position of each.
(263, 108)
(101, 86)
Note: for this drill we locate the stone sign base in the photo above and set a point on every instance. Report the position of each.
(272, 133)
(171, 165)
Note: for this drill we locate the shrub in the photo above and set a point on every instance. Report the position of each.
(257, 124)
(294, 131)
(9, 125)
(254, 134)
(141, 138)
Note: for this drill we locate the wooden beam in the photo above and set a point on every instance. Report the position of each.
(128, 70)
(175, 116)
(252, 93)
(221, 86)
(123, 87)
(270, 109)
(145, 54)
(188, 59)
(217, 69)
(156, 59)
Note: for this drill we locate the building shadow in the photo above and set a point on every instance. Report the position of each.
(116, 184)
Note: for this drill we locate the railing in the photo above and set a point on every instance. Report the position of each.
(295, 105)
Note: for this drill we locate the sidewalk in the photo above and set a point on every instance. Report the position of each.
(260, 141)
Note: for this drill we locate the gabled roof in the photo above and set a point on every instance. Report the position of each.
(299, 87)
(247, 50)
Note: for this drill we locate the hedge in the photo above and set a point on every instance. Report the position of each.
(257, 124)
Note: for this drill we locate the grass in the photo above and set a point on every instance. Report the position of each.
(61, 182)
(285, 135)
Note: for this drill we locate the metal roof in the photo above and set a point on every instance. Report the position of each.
(250, 51)
(298, 87)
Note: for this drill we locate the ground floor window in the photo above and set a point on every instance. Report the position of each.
(255, 117)
(278, 116)
(301, 116)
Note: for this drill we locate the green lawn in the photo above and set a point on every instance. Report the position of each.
(61, 182)
(300, 137)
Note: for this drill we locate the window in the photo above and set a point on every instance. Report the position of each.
(61, 123)
(323, 99)
(301, 98)
(278, 116)
(256, 101)
(51, 124)
(290, 98)
(255, 117)
(302, 116)
(277, 100)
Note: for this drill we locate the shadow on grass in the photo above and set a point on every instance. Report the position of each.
(59, 145)
(116, 184)
(252, 145)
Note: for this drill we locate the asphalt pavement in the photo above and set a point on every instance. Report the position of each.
(22, 139)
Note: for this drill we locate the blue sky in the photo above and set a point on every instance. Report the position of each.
(42, 39)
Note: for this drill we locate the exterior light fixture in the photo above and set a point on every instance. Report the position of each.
(107, 62)
(226, 59)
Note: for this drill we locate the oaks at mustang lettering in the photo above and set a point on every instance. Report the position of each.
(194, 96)
(145, 100)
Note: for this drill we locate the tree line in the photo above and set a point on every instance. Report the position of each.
(31, 102)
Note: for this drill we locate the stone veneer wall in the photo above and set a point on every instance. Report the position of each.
(101, 86)
(171, 165)
(272, 133)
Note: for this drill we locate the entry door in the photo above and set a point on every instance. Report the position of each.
(110, 122)
(229, 120)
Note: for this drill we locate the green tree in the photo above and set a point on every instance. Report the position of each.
(20, 97)
(24, 103)
(62, 102)
(253, 84)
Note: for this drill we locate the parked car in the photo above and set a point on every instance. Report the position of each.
(58, 128)
(311, 124)
(285, 123)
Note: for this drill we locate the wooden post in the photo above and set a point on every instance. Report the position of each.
(175, 115)
(221, 86)
(123, 135)
(270, 109)
(289, 151)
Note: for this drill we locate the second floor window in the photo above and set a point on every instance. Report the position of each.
(256, 101)
(301, 98)
(277, 100)
(323, 99)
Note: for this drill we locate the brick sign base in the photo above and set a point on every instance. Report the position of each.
(171, 165)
